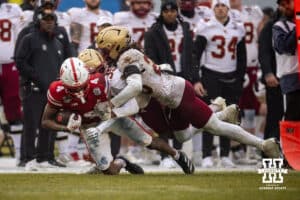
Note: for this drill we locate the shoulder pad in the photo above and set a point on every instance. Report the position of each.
(129, 57)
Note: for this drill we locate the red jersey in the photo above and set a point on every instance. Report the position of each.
(58, 97)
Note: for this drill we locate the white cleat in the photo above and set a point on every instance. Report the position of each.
(69, 162)
(227, 163)
(197, 158)
(220, 102)
(207, 162)
(230, 114)
(167, 163)
(271, 148)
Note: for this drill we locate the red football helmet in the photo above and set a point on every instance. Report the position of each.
(74, 77)
(140, 7)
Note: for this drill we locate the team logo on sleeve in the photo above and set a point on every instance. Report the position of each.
(67, 99)
(97, 91)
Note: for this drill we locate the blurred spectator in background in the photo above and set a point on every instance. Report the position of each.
(285, 46)
(84, 23)
(28, 5)
(138, 19)
(169, 40)
(220, 50)
(38, 58)
(194, 13)
(274, 99)
(10, 19)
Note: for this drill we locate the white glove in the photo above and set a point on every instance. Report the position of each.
(74, 122)
(103, 110)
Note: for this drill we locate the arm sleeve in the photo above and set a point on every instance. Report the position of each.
(127, 109)
(133, 88)
(284, 42)
(265, 49)
(241, 59)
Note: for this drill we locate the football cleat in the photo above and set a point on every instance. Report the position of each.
(231, 114)
(220, 102)
(131, 167)
(271, 148)
(185, 163)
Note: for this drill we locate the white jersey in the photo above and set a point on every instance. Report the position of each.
(64, 20)
(220, 52)
(88, 21)
(27, 17)
(251, 16)
(10, 20)
(136, 26)
(175, 42)
(166, 88)
(201, 13)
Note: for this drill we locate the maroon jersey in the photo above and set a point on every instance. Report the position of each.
(60, 98)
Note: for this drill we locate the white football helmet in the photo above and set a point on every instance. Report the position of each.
(74, 77)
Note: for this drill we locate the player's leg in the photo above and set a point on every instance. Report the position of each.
(137, 133)
(98, 144)
(218, 127)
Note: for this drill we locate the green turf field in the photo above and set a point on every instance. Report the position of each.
(207, 186)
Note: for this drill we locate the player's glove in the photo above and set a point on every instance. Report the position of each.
(74, 122)
(103, 110)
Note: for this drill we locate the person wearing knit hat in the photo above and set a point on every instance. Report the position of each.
(216, 2)
(169, 40)
(168, 5)
(220, 49)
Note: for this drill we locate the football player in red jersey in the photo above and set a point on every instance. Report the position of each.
(84, 94)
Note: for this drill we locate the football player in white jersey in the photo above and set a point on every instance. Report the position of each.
(193, 13)
(171, 91)
(220, 48)
(138, 19)
(84, 23)
(10, 19)
(251, 17)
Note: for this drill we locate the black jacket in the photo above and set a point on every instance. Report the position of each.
(60, 33)
(266, 54)
(38, 59)
(157, 48)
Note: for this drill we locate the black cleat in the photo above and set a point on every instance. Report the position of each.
(131, 167)
(185, 163)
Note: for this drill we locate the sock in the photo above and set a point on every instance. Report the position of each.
(177, 155)
(62, 143)
(120, 161)
(17, 144)
(72, 143)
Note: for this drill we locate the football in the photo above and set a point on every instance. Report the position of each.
(62, 117)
